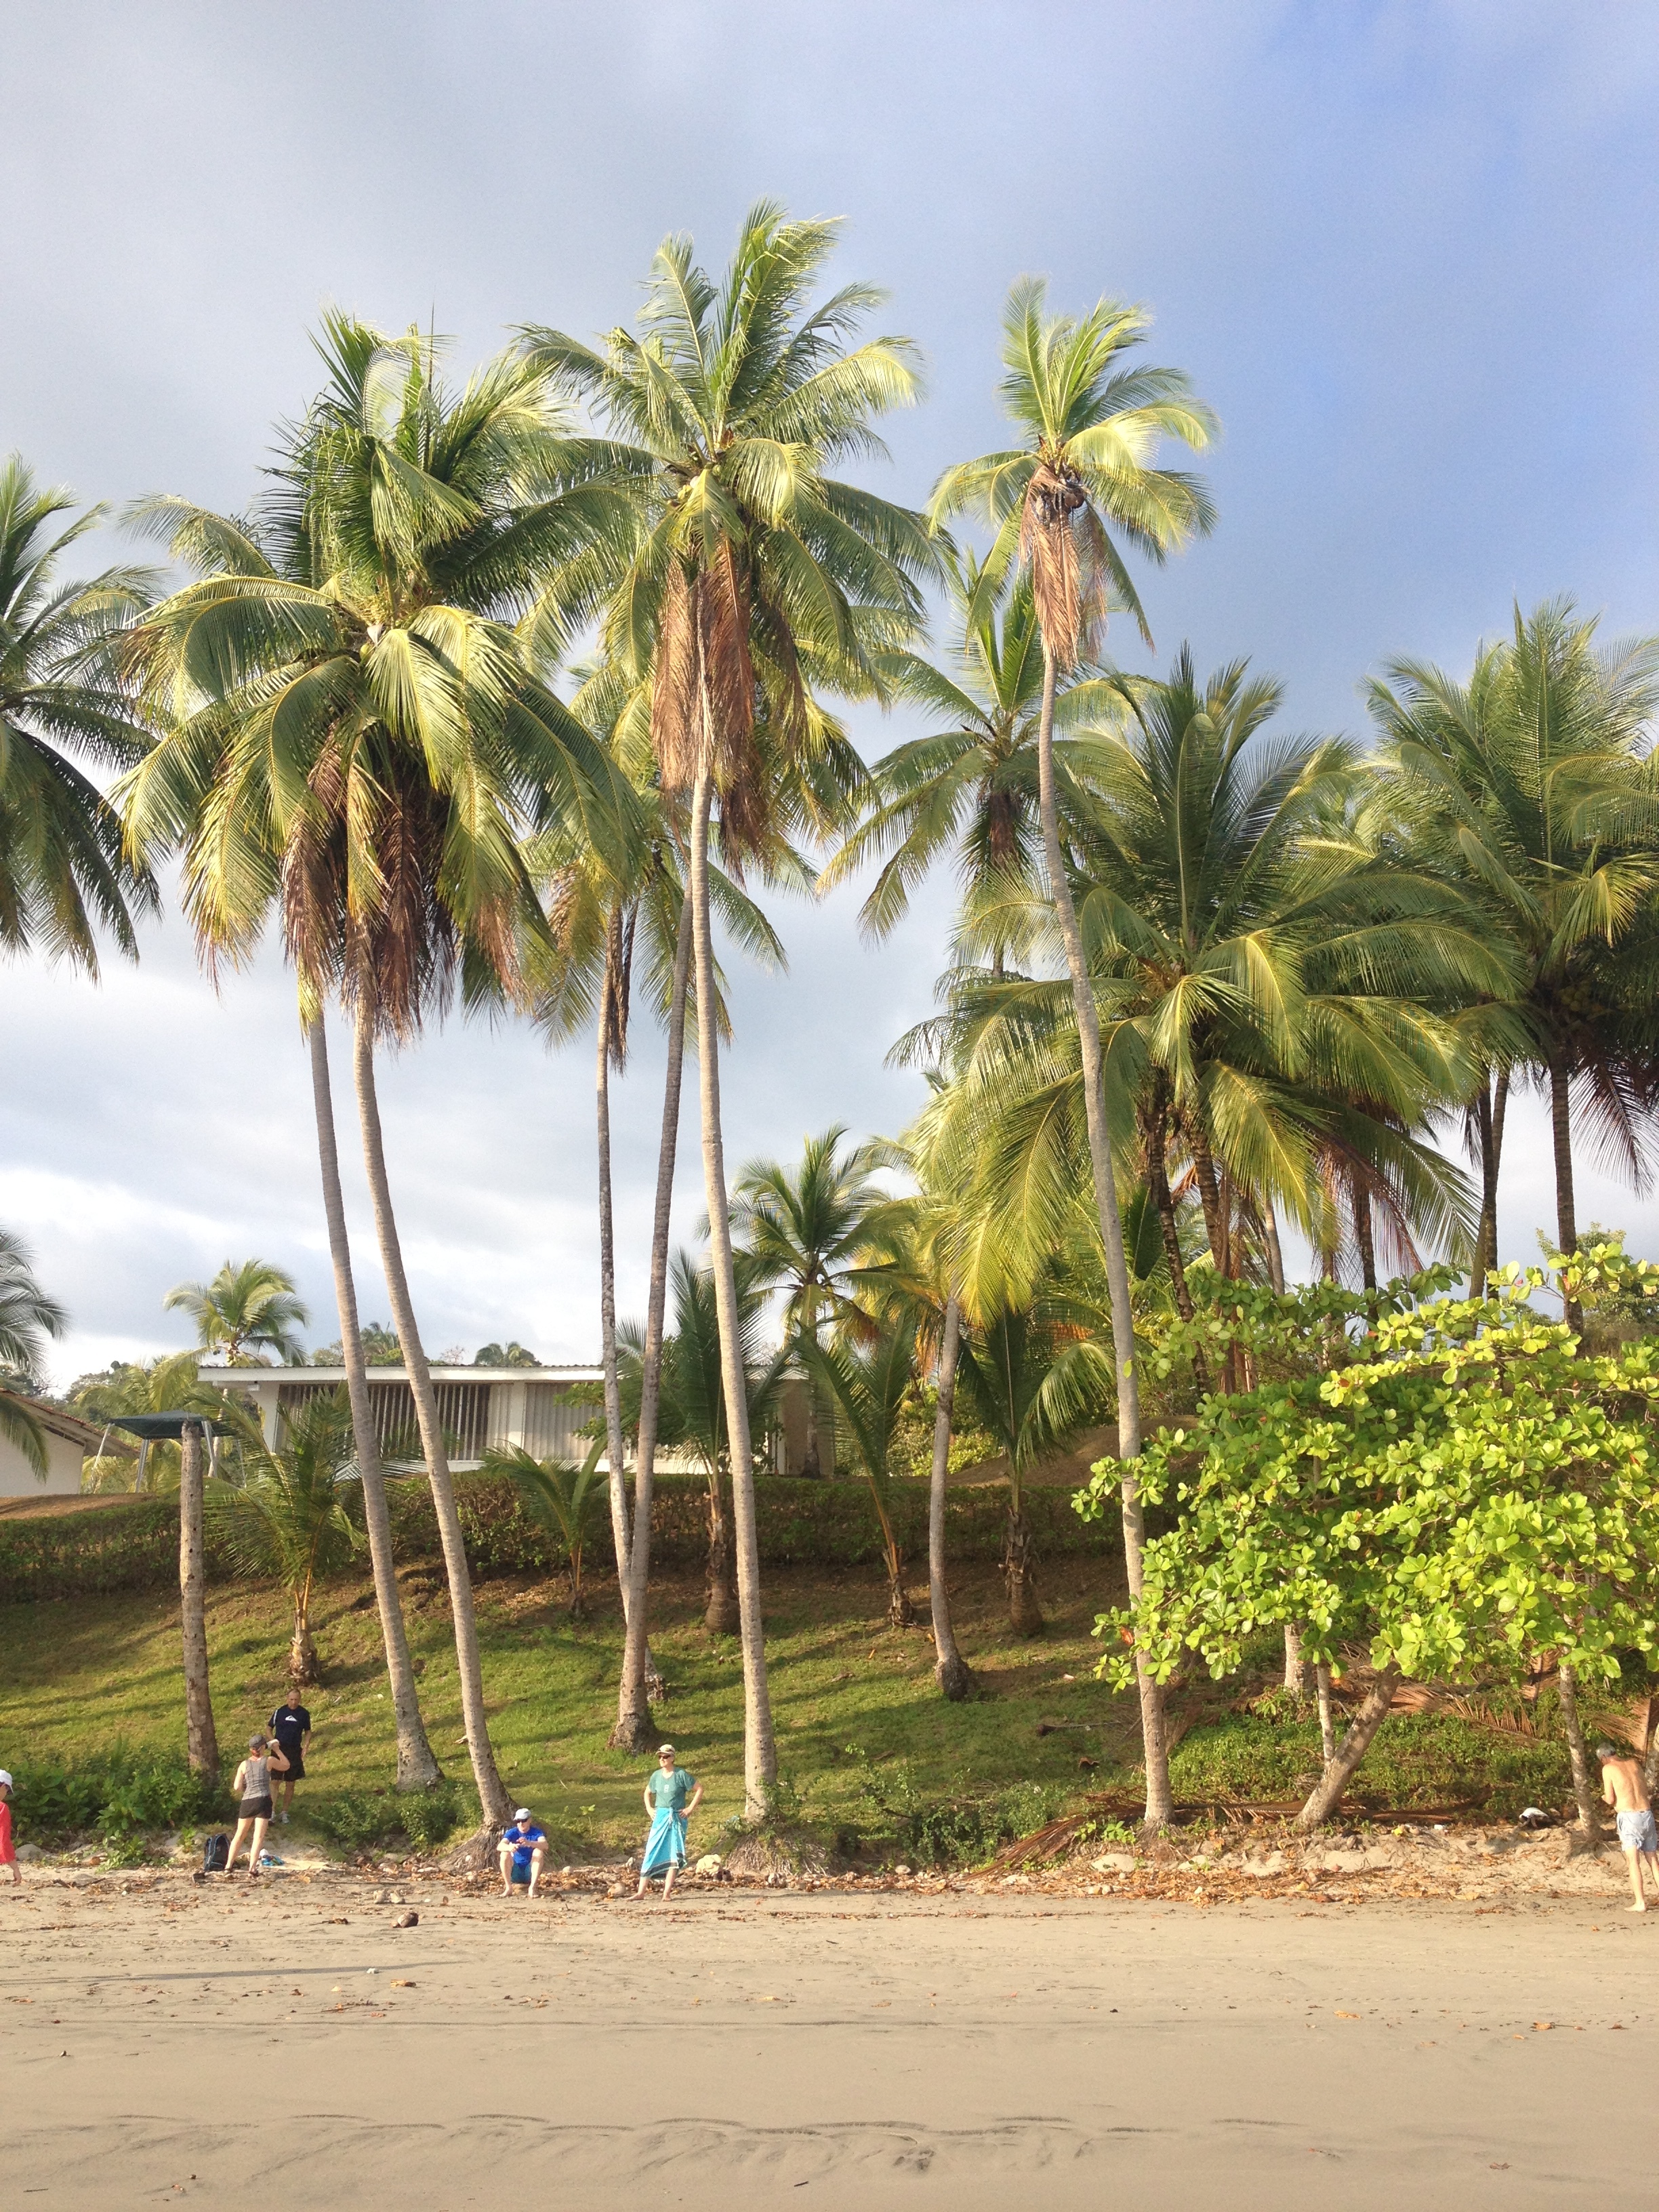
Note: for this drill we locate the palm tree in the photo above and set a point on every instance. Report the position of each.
(761, 581)
(245, 1310)
(692, 1403)
(1528, 782)
(872, 1385)
(913, 1268)
(1035, 1381)
(1093, 425)
(286, 1518)
(600, 915)
(967, 792)
(63, 873)
(558, 1496)
(1290, 980)
(805, 1230)
(352, 724)
(27, 1318)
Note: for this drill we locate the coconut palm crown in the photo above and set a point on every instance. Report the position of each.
(1095, 422)
(245, 1310)
(63, 869)
(351, 719)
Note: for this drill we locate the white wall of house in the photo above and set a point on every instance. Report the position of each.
(19, 1479)
(480, 1406)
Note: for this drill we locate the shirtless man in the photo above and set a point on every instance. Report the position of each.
(1622, 1787)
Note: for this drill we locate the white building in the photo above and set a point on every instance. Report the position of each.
(482, 1408)
(69, 1441)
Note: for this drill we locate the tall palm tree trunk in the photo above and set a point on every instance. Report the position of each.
(1270, 1239)
(633, 1729)
(1159, 1803)
(1484, 1238)
(494, 1802)
(417, 1769)
(615, 1448)
(1025, 1613)
(1363, 1235)
(1209, 1194)
(1566, 1212)
(202, 1744)
(760, 1758)
(1156, 1128)
(1500, 1107)
(954, 1674)
(1583, 1786)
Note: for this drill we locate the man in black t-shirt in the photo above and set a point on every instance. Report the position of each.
(290, 1724)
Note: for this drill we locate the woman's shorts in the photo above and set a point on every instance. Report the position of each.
(254, 1808)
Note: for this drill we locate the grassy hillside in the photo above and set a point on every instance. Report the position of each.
(865, 1743)
(77, 1676)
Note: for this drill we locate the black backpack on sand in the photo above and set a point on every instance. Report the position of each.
(216, 1854)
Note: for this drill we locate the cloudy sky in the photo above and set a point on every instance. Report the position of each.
(1406, 251)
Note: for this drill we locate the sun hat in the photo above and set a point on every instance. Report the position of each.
(523, 1813)
(6, 1779)
(665, 1751)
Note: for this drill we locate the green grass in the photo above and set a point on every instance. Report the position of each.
(1417, 1760)
(77, 1675)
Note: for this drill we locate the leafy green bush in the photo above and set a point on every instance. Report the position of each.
(951, 1831)
(799, 1523)
(431, 1817)
(118, 1795)
(128, 1543)
(356, 1819)
(132, 1543)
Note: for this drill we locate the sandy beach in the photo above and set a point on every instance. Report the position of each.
(161, 2041)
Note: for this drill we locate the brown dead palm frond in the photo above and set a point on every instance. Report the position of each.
(1054, 498)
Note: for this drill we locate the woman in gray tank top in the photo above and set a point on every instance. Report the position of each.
(253, 1788)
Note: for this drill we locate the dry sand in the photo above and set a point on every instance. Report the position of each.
(287, 2046)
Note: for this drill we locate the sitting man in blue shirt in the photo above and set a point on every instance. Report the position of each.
(522, 1851)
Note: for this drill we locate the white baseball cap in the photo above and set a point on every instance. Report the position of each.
(6, 1779)
(523, 1813)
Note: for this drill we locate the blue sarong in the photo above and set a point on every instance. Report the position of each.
(665, 1846)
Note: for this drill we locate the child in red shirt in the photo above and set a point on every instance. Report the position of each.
(8, 1851)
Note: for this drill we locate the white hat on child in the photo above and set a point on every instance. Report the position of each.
(6, 1779)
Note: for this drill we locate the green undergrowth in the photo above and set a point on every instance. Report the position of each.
(1417, 1761)
(119, 1795)
(875, 1762)
(847, 1692)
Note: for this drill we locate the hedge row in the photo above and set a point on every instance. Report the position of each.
(133, 1543)
(130, 1543)
(800, 1523)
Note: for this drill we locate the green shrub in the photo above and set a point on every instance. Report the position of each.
(127, 1543)
(799, 1523)
(119, 1795)
(431, 1817)
(132, 1543)
(955, 1830)
(355, 1819)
